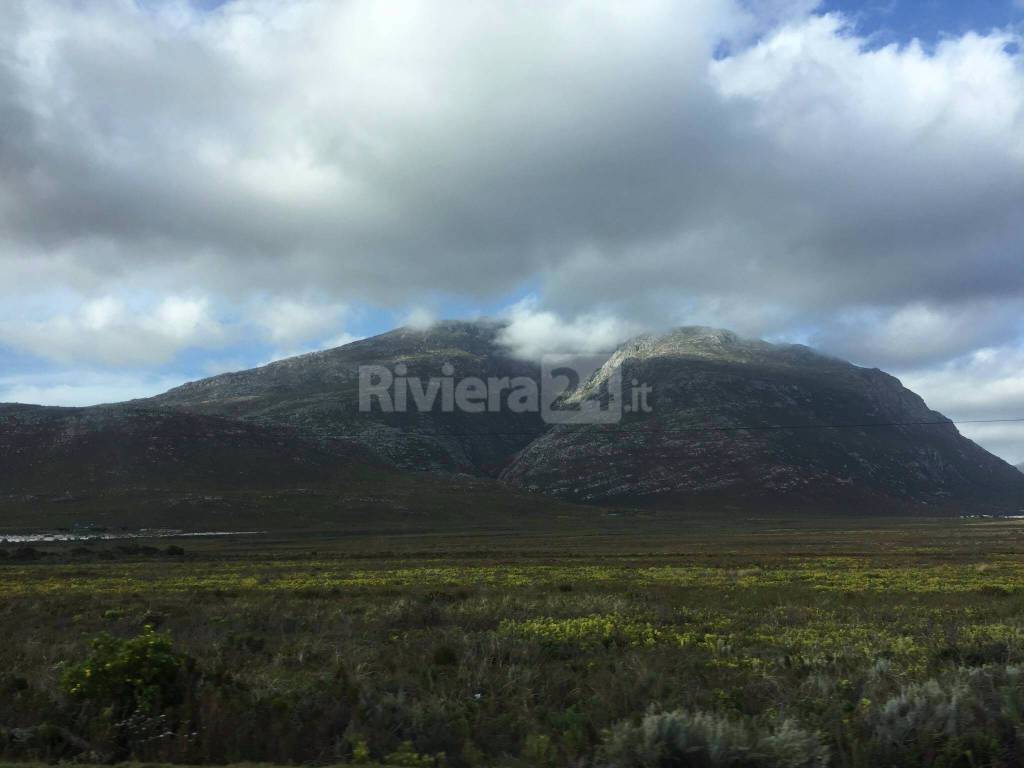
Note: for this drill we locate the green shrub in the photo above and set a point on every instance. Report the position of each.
(538, 750)
(407, 757)
(683, 739)
(971, 718)
(140, 674)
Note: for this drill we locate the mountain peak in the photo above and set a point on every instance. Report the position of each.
(733, 421)
(746, 422)
(483, 325)
(719, 345)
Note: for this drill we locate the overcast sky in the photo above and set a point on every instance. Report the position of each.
(193, 187)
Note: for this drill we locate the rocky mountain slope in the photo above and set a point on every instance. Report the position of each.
(318, 394)
(754, 424)
(734, 423)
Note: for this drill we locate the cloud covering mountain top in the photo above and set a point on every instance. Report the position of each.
(181, 185)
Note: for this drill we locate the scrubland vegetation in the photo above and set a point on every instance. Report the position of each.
(816, 646)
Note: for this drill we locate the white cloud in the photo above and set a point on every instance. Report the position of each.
(919, 334)
(532, 332)
(339, 341)
(291, 321)
(985, 385)
(107, 330)
(419, 318)
(82, 387)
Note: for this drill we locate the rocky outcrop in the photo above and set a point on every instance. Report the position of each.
(754, 424)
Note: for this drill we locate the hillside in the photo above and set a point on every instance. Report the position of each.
(48, 450)
(125, 466)
(734, 424)
(747, 423)
(318, 394)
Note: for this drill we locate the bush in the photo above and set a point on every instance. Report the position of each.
(141, 674)
(407, 757)
(971, 718)
(683, 739)
(45, 742)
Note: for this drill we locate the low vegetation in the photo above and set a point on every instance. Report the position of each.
(766, 652)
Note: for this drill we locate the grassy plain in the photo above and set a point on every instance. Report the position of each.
(631, 641)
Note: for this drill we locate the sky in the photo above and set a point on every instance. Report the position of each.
(188, 188)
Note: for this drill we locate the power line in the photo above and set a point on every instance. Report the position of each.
(619, 428)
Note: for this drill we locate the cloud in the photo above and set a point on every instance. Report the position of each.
(106, 330)
(82, 387)
(634, 165)
(611, 157)
(915, 335)
(291, 321)
(984, 385)
(419, 318)
(340, 340)
(532, 333)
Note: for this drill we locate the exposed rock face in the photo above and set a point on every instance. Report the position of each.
(122, 448)
(761, 424)
(318, 393)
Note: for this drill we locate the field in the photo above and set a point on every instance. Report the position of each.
(641, 642)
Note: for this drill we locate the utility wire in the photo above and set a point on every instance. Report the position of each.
(618, 428)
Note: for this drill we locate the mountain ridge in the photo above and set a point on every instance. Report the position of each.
(745, 421)
(318, 393)
(736, 424)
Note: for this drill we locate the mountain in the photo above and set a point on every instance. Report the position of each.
(318, 394)
(131, 466)
(1021, 467)
(49, 450)
(756, 425)
(734, 424)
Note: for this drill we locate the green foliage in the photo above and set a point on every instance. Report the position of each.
(972, 717)
(139, 674)
(584, 631)
(538, 750)
(406, 756)
(683, 739)
(360, 752)
(753, 656)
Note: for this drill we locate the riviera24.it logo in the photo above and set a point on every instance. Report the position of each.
(570, 389)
